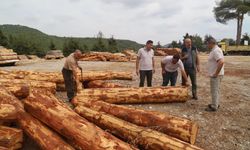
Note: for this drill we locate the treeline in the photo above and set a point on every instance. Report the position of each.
(200, 42)
(25, 40)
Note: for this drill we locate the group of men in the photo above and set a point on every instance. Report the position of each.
(188, 62)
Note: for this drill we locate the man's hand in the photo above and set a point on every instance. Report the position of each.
(185, 84)
(215, 75)
(137, 72)
(163, 71)
(198, 68)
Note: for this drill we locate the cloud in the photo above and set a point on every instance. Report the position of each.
(139, 20)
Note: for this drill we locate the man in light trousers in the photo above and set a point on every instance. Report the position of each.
(215, 72)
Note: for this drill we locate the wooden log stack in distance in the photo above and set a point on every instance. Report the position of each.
(146, 138)
(177, 127)
(69, 124)
(41, 134)
(136, 95)
(11, 138)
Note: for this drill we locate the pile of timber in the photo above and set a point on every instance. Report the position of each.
(103, 56)
(52, 81)
(167, 51)
(102, 84)
(11, 138)
(135, 95)
(7, 54)
(131, 55)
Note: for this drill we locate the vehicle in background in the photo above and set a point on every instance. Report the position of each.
(54, 54)
(234, 50)
(7, 57)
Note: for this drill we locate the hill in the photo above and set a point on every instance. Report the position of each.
(29, 37)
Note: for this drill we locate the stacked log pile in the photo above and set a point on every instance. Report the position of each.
(167, 51)
(96, 122)
(7, 54)
(131, 55)
(11, 138)
(103, 56)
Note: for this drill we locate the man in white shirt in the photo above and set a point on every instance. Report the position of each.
(170, 65)
(215, 72)
(145, 64)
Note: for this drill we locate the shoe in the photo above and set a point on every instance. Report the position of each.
(210, 106)
(195, 97)
(210, 109)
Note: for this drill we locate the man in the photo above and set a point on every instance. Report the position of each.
(170, 65)
(215, 72)
(145, 64)
(191, 63)
(69, 72)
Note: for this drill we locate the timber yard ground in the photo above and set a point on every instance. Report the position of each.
(229, 128)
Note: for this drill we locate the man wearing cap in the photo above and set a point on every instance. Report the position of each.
(69, 72)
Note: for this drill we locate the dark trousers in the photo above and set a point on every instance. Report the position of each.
(192, 73)
(69, 83)
(146, 74)
(169, 76)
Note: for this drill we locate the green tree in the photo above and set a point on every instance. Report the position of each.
(245, 37)
(3, 39)
(112, 45)
(99, 46)
(229, 41)
(52, 46)
(70, 46)
(197, 42)
(226, 10)
(175, 44)
(158, 45)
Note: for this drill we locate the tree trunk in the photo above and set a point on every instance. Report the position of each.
(177, 127)
(8, 113)
(10, 138)
(41, 134)
(147, 138)
(136, 95)
(65, 121)
(7, 98)
(48, 86)
(102, 84)
(240, 19)
(57, 77)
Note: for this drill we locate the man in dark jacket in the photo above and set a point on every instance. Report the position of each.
(191, 63)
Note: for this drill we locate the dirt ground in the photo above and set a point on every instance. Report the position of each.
(226, 129)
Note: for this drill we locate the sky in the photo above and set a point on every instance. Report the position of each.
(137, 20)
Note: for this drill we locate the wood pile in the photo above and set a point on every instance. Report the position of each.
(124, 56)
(96, 122)
(167, 51)
(22, 57)
(33, 57)
(7, 54)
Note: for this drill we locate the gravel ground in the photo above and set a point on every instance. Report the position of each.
(227, 129)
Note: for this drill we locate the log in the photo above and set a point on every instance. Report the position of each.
(102, 84)
(57, 77)
(3, 148)
(48, 86)
(8, 113)
(8, 98)
(177, 127)
(147, 138)
(21, 91)
(46, 138)
(10, 137)
(65, 121)
(136, 95)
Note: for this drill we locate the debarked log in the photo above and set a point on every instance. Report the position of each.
(57, 77)
(181, 128)
(20, 91)
(136, 95)
(7, 97)
(46, 138)
(102, 84)
(11, 137)
(8, 113)
(144, 137)
(73, 127)
(48, 86)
